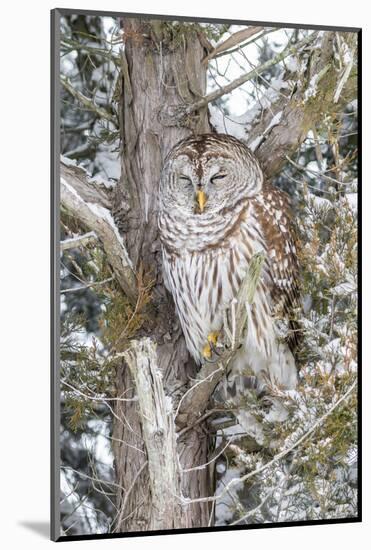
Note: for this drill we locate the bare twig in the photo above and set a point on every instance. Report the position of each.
(71, 45)
(80, 240)
(215, 457)
(254, 510)
(96, 397)
(86, 101)
(88, 285)
(240, 47)
(318, 174)
(82, 474)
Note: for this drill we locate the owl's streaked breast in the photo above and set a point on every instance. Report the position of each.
(204, 282)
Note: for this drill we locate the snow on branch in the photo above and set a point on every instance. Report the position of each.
(349, 59)
(282, 454)
(84, 202)
(303, 108)
(90, 189)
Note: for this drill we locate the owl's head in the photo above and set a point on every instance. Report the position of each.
(207, 173)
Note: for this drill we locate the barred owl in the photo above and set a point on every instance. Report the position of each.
(216, 211)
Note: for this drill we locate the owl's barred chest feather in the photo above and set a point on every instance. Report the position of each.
(204, 282)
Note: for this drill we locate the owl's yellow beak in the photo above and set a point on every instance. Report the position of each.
(201, 200)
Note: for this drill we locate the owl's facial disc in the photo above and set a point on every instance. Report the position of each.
(205, 185)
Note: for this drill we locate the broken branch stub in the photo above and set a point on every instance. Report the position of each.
(157, 421)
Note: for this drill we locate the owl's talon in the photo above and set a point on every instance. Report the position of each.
(212, 338)
(210, 347)
(207, 351)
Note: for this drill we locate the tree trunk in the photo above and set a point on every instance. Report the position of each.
(161, 65)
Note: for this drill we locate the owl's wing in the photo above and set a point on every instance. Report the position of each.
(275, 216)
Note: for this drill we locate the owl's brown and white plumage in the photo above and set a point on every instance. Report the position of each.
(206, 250)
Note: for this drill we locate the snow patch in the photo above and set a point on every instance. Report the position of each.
(105, 214)
(292, 64)
(352, 200)
(312, 89)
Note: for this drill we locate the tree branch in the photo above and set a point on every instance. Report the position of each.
(240, 47)
(80, 240)
(88, 189)
(86, 101)
(302, 110)
(347, 69)
(97, 218)
(72, 45)
(175, 115)
(88, 285)
(233, 40)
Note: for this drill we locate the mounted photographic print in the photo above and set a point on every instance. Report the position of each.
(205, 290)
